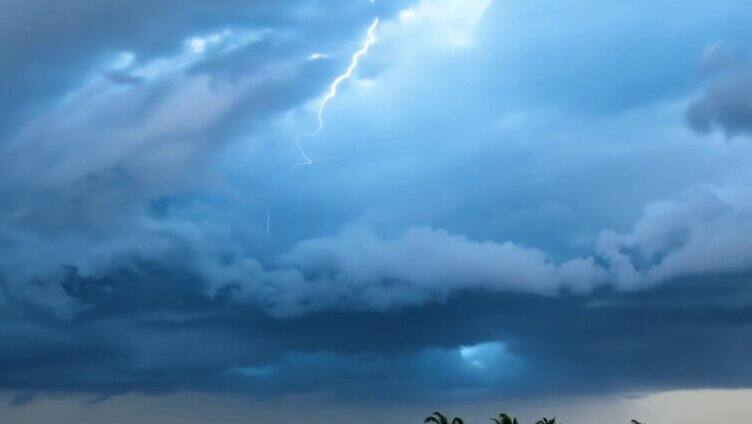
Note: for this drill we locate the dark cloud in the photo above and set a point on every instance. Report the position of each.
(159, 325)
(151, 329)
(725, 105)
(23, 398)
(447, 242)
(70, 38)
(176, 110)
(124, 78)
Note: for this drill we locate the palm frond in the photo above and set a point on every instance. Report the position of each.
(505, 419)
(436, 418)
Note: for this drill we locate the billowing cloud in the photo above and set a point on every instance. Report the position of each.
(725, 106)
(698, 235)
(506, 191)
(725, 103)
(358, 270)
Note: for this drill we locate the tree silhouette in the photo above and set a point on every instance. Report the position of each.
(545, 420)
(504, 419)
(437, 418)
(635, 422)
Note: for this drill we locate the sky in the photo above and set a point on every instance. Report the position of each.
(212, 211)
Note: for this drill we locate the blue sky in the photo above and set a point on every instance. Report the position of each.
(507, 200)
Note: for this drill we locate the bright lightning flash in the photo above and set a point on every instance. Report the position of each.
(334, 86)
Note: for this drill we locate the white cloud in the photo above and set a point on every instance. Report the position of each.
(447, 23)
(360, 270)
(697, 234)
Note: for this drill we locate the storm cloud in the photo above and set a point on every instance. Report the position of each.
(524, 196)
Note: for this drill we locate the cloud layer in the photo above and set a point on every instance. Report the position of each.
(526, 197)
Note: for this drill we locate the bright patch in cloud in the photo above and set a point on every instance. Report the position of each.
(254, 372)
(317, 56)
(407, 15)
(483, 355)
(441, 23)
(124, 60)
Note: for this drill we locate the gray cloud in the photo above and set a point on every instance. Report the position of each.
(726, 106)
(86, 32)
(453, 219)
(699, 234)
(725, 103)
(360, 270)
(358, 306)
(151, 329)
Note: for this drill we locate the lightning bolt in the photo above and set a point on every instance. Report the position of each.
(334, 87)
